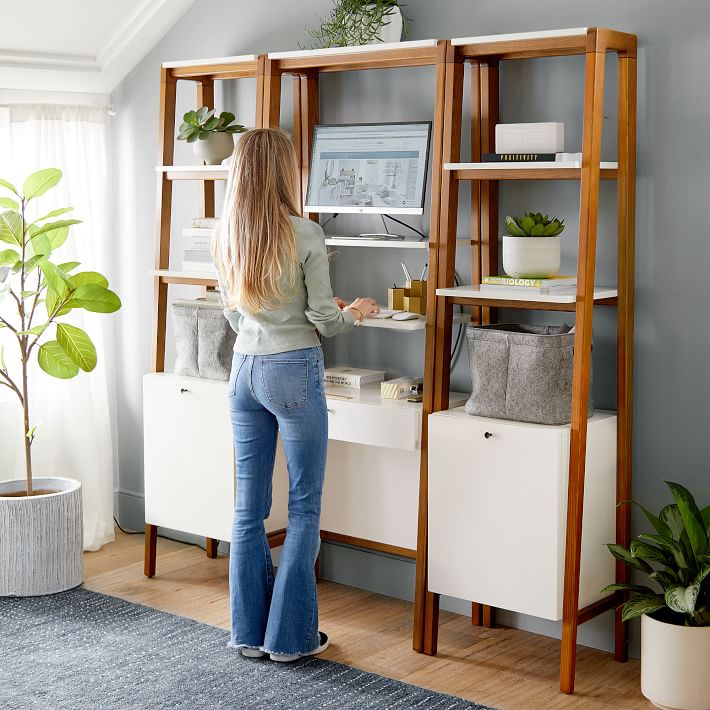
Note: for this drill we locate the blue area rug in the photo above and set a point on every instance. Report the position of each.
(87, 651)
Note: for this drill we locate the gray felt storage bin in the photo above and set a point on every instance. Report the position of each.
(204, 340)
(522, 372)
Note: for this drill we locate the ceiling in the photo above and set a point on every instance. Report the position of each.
(82, 45)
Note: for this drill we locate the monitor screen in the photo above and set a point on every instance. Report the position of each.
(369, 168)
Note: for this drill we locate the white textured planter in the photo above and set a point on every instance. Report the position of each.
(41, 538)
(531, 257)
(215, 148)
(675, 665)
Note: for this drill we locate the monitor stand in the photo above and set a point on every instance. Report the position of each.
(384, 236)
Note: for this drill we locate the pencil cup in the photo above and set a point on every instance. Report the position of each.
(415, 304)
(416, 288)
(395, 299)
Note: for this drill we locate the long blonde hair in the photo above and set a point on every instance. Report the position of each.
(254, 248)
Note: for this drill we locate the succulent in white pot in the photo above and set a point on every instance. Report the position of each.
(675, 616)
(356, 22)
(533, 246)
(212, 136)
(41, 518)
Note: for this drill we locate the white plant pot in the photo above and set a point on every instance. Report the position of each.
(41, 538)
(675, 665)
(389, 32)
(531, 257)
(215, 148)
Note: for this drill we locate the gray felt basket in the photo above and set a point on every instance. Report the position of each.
(204, 340)
(522, 372)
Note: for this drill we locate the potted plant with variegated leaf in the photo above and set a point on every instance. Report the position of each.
(675, 615)
(41, 518)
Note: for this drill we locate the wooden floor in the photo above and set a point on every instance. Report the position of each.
(505, 668)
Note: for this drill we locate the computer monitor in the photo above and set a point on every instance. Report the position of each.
(369, 168)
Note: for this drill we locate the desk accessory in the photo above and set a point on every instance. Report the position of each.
(397, 388)
(405, 315)
(530, 138)
(395, 298)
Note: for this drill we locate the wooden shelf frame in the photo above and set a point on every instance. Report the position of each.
(203, 73)
(483, 54)
(305, 68)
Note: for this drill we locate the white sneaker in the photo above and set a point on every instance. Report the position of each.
(252, 652)
(282, 658)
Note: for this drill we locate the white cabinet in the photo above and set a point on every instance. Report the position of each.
(371, 488)
(498, 506)
(189, 458)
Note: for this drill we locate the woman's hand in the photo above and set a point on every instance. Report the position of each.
(340, 303)
(363, 307)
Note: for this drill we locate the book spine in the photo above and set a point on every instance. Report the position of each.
(510, 281)
(353, 381)
(519, 157)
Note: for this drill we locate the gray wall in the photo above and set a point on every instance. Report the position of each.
(673, 249)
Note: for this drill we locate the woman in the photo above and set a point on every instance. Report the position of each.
(273, 269)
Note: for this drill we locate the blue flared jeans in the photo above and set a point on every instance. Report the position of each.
(269, 394)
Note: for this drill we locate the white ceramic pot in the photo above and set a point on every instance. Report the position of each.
(531, 257)
(391, 31)
(41, 538)
(215, 148)
(675, 665)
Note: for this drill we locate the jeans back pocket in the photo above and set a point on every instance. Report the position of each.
(285, 381)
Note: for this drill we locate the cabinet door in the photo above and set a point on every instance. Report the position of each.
(371, 493)
(495, 498)
(189, 467)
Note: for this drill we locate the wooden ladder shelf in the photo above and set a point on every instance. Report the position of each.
(484, 54)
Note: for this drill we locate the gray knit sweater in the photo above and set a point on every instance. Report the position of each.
(293, 325)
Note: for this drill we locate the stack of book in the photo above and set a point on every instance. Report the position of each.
(540, 287)
(354, 377)
(197, 246)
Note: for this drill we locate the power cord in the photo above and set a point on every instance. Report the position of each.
(404, 224)
(139, 532)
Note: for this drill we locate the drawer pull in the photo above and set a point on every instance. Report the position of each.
(183, 390)
(488, 435)
(330, 411)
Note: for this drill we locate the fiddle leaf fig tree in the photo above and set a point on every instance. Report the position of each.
(45, 292)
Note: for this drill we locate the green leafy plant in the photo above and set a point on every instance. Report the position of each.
(534, 224)
(44, 293)
(676, 557)
(198, 125)
(355, 22)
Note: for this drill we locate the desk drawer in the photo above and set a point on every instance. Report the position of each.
(394, 427)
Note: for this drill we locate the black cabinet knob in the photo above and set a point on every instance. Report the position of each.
(183, 390)
(488, 435)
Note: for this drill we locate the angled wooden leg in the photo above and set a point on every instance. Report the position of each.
(626, 200)
(211, 547)
(476, 614)
(421, 583)
(589, 198)
(489, 616)
(431, 624)
(151, 546)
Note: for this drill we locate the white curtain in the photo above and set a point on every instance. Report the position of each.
(75, 418)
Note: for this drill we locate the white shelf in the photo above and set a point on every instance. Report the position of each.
(520, 36)
(175, 274)
(239, 59)
(193, 169)
(357, 49)
(381, 243)
(564, 294)
(537, 165)
(370, 395)
(407, 325)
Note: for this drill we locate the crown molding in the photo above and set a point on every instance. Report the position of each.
(100, 74)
